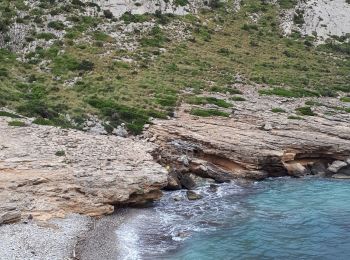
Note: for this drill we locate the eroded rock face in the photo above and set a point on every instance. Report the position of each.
(321, 18)
(119, 7)
(238, 146)
(50, 172)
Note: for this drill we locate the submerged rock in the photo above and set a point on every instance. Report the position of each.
(213, 188)
(341, 176)
(191, 195)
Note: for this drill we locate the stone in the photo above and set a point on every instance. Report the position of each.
(184, 160)
(120, 131)
(297, 169)
(318, 168)
(336, 166)
(9, 215)
(213, 188)
(345, 170)
(173, 182)
(177, 198)
(191, 195)
(341, 176)
(187, 181)
(267, 127)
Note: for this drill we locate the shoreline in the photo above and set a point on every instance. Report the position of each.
(101, 236)
(55, 239)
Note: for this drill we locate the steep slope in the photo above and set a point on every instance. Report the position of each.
(64, 62)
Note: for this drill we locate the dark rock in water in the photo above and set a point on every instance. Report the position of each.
(173, 182)
(183, 234)
(319, 168)
(187, 181)
(191, 195)
(345, 170)
(213, 188)
(177, 198)
(297, 169)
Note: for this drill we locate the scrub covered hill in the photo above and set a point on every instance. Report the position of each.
(62, 62)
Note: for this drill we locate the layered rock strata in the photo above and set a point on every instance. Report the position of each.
(48, 172)
(254, 142)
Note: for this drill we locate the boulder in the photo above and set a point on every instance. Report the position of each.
(213, 188)
(187, 181)
(319, 169)
(345, 170)
(173, 182)
(191, 195)
(9, 215)
(336, 166)
(296, 169)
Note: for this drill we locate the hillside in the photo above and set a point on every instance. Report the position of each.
(64, 62)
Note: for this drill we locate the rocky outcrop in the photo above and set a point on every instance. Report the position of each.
(321, 18)
(48, 172)
(239, 146)
(119, 7)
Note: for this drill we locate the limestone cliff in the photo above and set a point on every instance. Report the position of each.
(49, 172)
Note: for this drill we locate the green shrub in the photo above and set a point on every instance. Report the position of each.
(208, 100)
(166, 100)
(156, 39)
(237, 98)
(57, 25)
(295, 117)
(278, 110)
(306, 111)
(283, 92)
(60, 153)
(134, 118)
(108, 14)
(16, 123)
(208, 112)
(4, 73)
(127, 17)
(342, 48)
(181, 2)
(100, 36)
(345, 99)
(46, 36)
(287, 4)
(8, 114)
(42, 121)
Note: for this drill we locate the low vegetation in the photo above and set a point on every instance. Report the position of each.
(16, 123)
(85, 73)
(306, 111)
(278, 110)
(208, 112)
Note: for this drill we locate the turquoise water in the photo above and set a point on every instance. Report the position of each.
(280, 218)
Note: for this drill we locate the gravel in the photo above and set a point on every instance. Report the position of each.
(54, 240)
(101, 241)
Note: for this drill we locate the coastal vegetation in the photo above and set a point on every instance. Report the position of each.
(84, 73)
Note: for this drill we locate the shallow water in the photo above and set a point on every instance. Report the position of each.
(274, 219)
